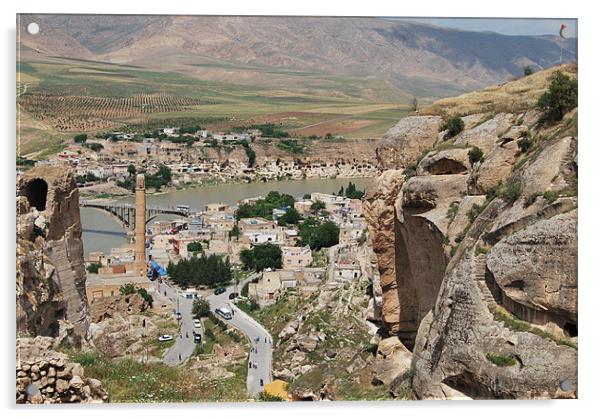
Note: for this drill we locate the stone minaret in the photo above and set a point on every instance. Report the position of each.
(140, 261)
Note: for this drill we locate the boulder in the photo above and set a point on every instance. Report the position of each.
(392, 359)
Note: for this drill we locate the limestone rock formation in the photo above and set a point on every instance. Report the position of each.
(404, 142)
(478, 261)
(50, 263)
(50, 290)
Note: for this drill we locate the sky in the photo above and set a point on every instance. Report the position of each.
(509, 26)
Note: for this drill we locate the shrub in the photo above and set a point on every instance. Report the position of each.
(528, 71)
(127, 289)
(560, 97)
(475, 155)
(453, 210)
(550, 196)
(512, 191)
(454, 126)
(200, 308)
(80, 138)
(525, 143)
(194, 247)
(93, 268)
(501, 360)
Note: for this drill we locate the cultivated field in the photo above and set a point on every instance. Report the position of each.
(64, 96)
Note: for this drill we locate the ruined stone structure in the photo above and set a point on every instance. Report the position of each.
(140, 252)
(51, 293)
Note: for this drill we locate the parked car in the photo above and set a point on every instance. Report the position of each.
(164, 338)
(233, 295)
(197, 338)
(197, 323)
(219, 290)
(178, 316)
(224, 313)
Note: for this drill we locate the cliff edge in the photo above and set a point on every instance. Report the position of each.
(475, 230)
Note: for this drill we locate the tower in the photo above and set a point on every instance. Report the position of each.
(140, 236)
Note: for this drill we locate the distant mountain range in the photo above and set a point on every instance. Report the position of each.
(418, 59)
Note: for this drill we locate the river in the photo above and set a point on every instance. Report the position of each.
(101, 232)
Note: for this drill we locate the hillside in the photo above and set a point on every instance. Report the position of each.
(419, 59)
(476, 238)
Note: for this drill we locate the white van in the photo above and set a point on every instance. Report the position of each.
(224, 313)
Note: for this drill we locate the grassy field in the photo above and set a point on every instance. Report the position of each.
(305, 104)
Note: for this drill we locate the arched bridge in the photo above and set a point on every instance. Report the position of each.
(126, 213)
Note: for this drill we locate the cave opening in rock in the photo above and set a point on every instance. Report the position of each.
(36, 192)
(570, 329)
(446, 166)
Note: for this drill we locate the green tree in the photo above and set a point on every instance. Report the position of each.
(234, 232)
(80, 138)
(262, 257)
(201, 308)
(525, 143)
(528, 70)
(127, 289)
(146, 296)
(194, 247)
(291, 216)
(351, 192)
(560, 97)
(131, 169)
(93, 268)
(475, 155)
(318, 235)
(454, 126)
(317, 206)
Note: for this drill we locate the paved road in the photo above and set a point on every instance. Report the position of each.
(260, 356)
(184, 345)
(261, 341)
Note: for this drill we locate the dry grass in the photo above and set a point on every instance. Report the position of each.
(513, 96)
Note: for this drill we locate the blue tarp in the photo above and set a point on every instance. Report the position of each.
(155, 266)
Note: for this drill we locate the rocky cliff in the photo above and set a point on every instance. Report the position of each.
(477, 252)
(52, 309)
(50, 263)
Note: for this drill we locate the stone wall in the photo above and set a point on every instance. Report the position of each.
(47, 376)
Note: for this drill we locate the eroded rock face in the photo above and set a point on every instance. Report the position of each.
(50, 263)
(457, 263)
(535, 271)
(404, 142)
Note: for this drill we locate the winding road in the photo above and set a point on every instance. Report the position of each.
(260, 356)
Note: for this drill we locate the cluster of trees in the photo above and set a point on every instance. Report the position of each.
(262, 257)
(212, 270)
(351, 191)
(318, 235)
(89, 176)
(266, 129)
(291, 145)
(290, 217)
(251, 155)
(263, 207)
(194, 247)
(80, 138)
(161, 178)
